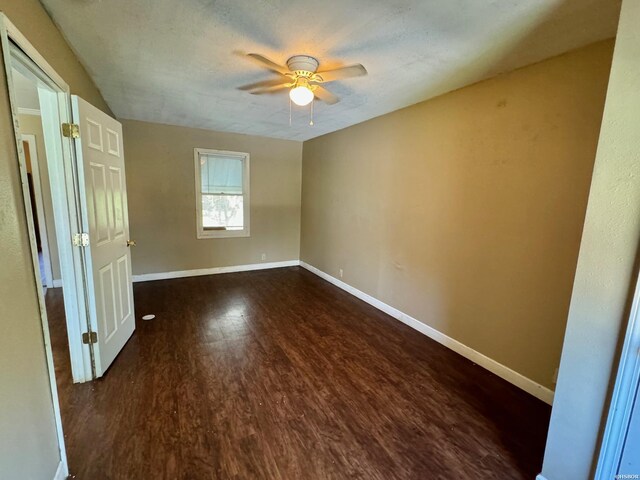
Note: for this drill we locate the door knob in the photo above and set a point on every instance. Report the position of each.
(131, 243)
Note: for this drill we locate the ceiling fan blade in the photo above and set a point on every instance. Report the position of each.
(325, 95)
(343, 72)
(265, 62)
(264, 83)
(271, 89)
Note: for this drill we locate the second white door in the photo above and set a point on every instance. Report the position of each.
(103, 198)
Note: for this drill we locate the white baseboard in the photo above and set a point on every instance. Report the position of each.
(61, 472)
(498, 369)
(146, 277)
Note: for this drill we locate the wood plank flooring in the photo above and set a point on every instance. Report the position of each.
(277, 374)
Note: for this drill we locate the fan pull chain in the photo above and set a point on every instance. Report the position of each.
(311, 119)
(289, 111)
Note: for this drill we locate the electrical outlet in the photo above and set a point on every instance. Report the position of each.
(341, 273)
(264, 256)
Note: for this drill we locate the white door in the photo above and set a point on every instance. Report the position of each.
(103, 198)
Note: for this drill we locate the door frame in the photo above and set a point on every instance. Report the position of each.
(30, 139)
(622, 400)
(55, 109)
(64, 190)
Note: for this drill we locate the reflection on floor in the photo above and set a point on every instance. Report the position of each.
(279, 375)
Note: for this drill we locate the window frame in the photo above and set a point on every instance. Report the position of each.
(201, 232)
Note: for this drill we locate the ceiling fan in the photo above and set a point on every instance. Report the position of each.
(301, 78)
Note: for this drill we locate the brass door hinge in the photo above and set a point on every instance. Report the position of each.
(80, 239)
(71, 130)
(89, 337)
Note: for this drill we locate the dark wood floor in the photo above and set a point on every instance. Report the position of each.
(280, 375)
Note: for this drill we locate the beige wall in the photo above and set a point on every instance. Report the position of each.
(607, 271)
(28, 444)
(33, 124)
(162, 203)
(466, 211)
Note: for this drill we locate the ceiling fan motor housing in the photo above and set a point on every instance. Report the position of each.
(303, 65)
(302, 78)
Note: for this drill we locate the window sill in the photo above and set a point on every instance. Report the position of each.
(205, 234)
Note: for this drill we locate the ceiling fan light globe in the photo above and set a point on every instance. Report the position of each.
(301, 96)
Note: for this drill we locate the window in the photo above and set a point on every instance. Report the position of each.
(222, 193)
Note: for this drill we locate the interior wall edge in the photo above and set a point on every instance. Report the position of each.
(530, 386)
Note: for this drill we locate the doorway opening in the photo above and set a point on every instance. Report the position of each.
(74, 195)
(37, 103)
(50, 193)
(40, 198)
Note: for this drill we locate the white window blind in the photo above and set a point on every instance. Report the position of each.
(221, 175)
(223, 203)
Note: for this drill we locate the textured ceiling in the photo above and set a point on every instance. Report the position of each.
(180, 63)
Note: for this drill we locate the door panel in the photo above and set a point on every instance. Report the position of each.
(104, 213)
